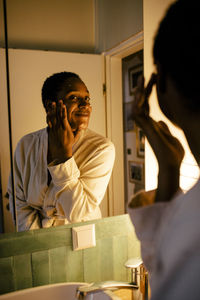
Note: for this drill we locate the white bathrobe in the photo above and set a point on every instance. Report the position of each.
(77, 186)
(170, 243)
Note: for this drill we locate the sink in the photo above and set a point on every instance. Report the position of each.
(58, 291)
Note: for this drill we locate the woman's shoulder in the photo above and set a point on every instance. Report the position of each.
(31, 142)
(97, 139)
(32, 137)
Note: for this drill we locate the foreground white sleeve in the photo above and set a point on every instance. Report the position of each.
(182, 282)
(146, 221)
(76, 195)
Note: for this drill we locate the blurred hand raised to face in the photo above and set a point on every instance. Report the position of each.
(167, 148)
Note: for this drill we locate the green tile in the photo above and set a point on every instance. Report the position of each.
(52, 239)
(6, 275)
(75, 266)
(34, 240)
(120, 256)
(133, 246)
(106, 259)
(114, 226)
(40, 268)
(53, 260)
(92, 263)
(58, 264)
(22, 271)
(65, 265)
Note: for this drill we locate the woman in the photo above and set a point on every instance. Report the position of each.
(62, 171)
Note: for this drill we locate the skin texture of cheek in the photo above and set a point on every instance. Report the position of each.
(79, 123)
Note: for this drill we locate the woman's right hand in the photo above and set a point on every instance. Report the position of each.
(167, 148)
(140, 107)
(60, 135)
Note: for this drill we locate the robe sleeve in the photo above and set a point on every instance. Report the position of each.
(27, 216)
(77, 194)
(146, 218)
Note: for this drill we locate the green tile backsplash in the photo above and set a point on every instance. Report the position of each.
(46, 256)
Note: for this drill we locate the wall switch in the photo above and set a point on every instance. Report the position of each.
(83, 237)
(129, 151)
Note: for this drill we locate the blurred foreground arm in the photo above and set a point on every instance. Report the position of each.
(147, 218)
(167, 149)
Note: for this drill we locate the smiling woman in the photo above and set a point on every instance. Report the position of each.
(74, 96)
(66, 114)
(27, 111)
(62, 171)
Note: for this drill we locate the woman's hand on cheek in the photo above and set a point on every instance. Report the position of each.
(60, 134)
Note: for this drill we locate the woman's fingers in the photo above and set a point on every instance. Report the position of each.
(163, 126)
(57, 118)
(150, 85)
(63, 116)
(141, 101)
(57, 115)
(48, 121)
(139, 92)
(51, 115)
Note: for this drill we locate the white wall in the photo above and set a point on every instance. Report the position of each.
(153, 12)
(116, 21)
(62, 25)
(90, 26)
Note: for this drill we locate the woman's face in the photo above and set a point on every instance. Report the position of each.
(77, 101)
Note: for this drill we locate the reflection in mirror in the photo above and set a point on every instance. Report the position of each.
(24, 93)
(61, 173)
(1, 207)
(36, 30)
(132, 68)
(7, 135)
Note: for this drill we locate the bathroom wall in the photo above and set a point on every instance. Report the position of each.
(74, 25)
(50, 25)
(116, 21)
(46, 256)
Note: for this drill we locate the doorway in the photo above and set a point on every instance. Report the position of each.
(134, 163)
(114, 118)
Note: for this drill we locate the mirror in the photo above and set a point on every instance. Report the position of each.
(38, 27)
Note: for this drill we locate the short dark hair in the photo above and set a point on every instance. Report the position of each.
(55, 85)
(177, 48)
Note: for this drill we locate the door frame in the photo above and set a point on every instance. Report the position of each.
(114, 116)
